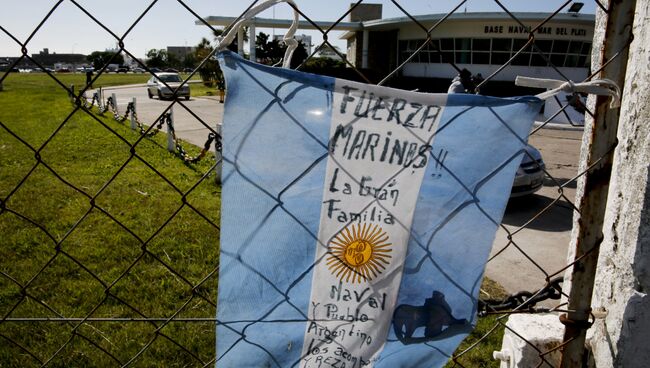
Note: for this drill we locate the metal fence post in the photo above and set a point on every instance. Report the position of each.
(133, 124)
(170, 131)
(598, 142)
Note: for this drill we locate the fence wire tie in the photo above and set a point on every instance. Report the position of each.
(600, 87)
(578, 323)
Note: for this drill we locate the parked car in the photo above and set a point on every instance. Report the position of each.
(138, 70)
(155, 86)
(530, 174)
(123, 69)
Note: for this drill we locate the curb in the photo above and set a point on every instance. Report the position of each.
(139, 85)
(559, 126)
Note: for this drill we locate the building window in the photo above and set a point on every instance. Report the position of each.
(433, 48)
(481, 51)
(522, 51)
(463, 48)
(560, 47)
(497, 51)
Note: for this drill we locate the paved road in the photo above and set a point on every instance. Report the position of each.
(545, 240)
(188, 127)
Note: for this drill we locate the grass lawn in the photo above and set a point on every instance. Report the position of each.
(485, 338)
(64, 254)
(89, 229)
(199, 89)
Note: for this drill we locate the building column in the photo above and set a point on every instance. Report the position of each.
(240, 41)
(364, 50)
(251, 43)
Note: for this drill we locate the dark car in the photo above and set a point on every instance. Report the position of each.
(123, 69)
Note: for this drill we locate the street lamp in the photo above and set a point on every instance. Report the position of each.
(574, 9)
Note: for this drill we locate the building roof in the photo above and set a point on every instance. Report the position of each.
(392, 23)
(559, 17)
(283, 23)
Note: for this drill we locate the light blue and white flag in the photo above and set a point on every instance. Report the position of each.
(356, 219)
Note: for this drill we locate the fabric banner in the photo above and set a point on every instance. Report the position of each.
(356, 219)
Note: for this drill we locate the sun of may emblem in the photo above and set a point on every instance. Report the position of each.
(358, 253)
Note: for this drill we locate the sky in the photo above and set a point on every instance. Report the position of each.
(168, 23)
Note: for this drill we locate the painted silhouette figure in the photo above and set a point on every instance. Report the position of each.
(435, 316)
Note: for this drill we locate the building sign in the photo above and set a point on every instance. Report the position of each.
(544, 30)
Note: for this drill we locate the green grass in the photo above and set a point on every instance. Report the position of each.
(199, 89)
(87, 155)
(485, 338)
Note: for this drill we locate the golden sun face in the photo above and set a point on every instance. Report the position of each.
(358, 253)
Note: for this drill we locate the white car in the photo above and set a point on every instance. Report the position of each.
(530, 174)
(156, 87)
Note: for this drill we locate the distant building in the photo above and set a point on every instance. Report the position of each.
(327, 52)
(44, 58)
(180, 51)
(479, 42)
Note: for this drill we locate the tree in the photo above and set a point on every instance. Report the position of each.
(101, 58)
(271, 52)
(299, 55)
(210, 71)
(158, 58)
(268, 51)
(189, 61)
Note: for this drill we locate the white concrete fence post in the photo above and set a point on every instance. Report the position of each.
(100, 96)
(622, 283)
(133, 124)
(114, 103)
(170, 131)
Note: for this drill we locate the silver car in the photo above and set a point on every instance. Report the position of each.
(156, 87)
(530, 174)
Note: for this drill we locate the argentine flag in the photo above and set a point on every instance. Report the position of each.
(356, 219)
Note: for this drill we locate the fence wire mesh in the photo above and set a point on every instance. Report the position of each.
(110, 245)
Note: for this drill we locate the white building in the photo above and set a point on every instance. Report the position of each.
(479, 42)
(559, 48)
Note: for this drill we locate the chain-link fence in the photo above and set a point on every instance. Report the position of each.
(109, 243)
